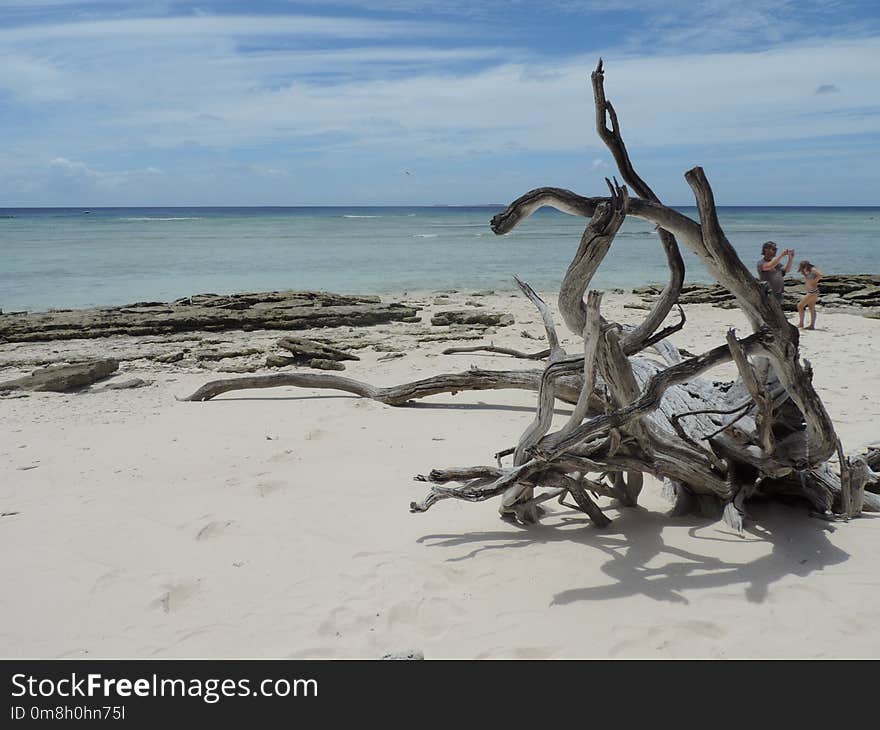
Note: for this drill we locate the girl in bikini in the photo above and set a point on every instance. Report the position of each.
(812, 275)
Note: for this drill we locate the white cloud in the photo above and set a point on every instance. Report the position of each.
(78, 172)
(220, 26)
(143, 90)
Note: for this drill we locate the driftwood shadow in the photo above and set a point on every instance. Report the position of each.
(635, 539)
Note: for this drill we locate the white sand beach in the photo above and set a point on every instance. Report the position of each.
(276, 523)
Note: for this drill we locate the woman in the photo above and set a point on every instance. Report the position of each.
(812, 275)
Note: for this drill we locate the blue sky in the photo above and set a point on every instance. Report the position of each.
(221, 102)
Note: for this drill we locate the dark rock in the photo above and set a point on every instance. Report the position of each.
(126, 385)
(223, 354)
(63, 378)
(872, 292)
(290, 310)
(303, 349)
(471, 316)
(238, 369)
(169, 357)
(322, 364)
(836, 289)
(279, 361)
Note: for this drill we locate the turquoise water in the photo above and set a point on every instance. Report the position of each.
(57, 258)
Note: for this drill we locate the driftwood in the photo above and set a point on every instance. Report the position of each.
(714, 446)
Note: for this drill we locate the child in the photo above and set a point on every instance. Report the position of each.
(812, 275)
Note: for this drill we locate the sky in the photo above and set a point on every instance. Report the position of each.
(409, 102)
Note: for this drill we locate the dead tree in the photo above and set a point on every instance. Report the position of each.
(713, 446)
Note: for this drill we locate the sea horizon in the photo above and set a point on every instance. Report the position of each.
(74, 257)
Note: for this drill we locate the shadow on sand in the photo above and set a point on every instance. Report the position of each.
(799, 545)
(421, 405)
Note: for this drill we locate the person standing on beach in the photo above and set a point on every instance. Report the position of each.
(812, 275)
(771, 270)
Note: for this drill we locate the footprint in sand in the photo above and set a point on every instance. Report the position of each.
(314, 435)
(661, 637)
(176, 595)
(106, 580)
(215, 528)
(534, 652)
(343, 621)
(432, 616)
(286, 455)
(266, 487)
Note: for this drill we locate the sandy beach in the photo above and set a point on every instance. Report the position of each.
(275, 523)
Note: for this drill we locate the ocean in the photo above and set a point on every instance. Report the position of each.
(83, 257)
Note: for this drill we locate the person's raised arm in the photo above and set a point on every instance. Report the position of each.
(772, 263)
(790, 259)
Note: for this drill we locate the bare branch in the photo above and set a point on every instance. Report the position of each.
(556, 351)
(637, 338)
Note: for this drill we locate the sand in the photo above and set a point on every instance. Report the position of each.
(275, 523)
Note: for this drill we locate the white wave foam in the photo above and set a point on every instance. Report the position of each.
(147, 218)
(362, 216)
(425, 235)
(457, 225)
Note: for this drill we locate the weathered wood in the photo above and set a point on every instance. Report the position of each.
(595, 243)
(498, 351)
(715, 445)
(591, 334)
(556, 351)
(763, 403)
(567, 389)
(640, 336)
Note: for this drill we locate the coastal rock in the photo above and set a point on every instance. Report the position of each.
(390, 356)
(279, 361)
(169, 357)
(224, 354)
(303, 349)
(322, 364)
(125, 385)
(472, 316)
(284, 310)
(852, 290)
(238, 369)
(63, 378)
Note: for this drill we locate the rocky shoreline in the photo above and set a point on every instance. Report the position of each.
(204, 332)
(286, 310)
(240, 333)
(858, 292)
